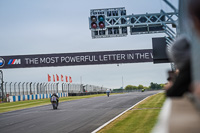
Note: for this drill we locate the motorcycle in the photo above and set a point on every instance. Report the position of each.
(108, 93)
(54, 102)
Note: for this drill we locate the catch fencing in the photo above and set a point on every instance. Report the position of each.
(36, 90)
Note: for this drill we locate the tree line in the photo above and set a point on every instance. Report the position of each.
(152, 86)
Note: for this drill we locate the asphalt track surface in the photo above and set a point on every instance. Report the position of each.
(78, 116)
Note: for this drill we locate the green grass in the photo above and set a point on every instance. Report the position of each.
(5, 107)
(141, 119)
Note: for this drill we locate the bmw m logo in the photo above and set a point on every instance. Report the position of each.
(2, 62)
(14, 61)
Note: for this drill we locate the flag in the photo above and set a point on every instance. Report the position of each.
(57, 77)
(70, 79)
(49, 78)
(53, 78)
(66, 79)
(61, 77)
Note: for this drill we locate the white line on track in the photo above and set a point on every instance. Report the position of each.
(98, 129)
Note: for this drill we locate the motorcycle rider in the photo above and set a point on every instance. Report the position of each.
(57, 98)
(108, 92)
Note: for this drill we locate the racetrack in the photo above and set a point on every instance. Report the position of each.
(78, 116)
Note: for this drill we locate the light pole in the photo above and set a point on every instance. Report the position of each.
(122, 83)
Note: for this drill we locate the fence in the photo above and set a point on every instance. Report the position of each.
(31, 88)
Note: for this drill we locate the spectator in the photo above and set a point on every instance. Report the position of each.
(180, 55)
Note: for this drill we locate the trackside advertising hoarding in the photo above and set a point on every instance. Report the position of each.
(70, 59)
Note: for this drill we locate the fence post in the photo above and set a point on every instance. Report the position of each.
(68, 89)
(40, 88)
(45, 87)
(27, 87)
(31, 89)
(56, 88)
(62, 87)
(34, 87)
(15, 88)
(49, 87)
(23, 87)
(19, 87)
(10, 88)
(5, 87)
(37, 88)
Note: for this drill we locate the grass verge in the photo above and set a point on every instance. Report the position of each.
(140, 119)
(5, 107)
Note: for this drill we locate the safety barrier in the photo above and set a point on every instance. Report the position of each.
(33, 97)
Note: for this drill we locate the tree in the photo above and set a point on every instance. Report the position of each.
(140, 87)
(152, 85)
(135, 87)
(129, 87)
(146, 87)
(156, 86)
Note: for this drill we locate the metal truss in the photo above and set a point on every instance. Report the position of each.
(137, 21)
(141, 20)
(171, 34)
(117, 21)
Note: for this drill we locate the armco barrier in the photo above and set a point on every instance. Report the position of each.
(33, 97)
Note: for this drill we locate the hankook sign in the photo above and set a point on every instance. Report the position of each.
(70, 59)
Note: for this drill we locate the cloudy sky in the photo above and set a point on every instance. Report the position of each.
(61, 26)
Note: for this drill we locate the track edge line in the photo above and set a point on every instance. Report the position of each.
(99, 128)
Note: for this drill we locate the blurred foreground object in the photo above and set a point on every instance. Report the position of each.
(194, 13)
(180, 54)
(194, 16)
(182, 114)
(178, 115)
